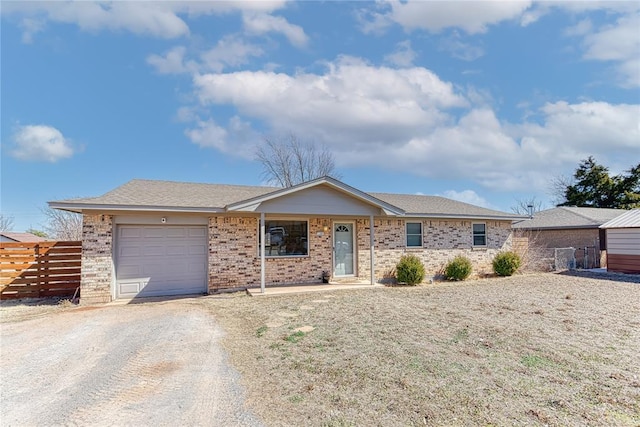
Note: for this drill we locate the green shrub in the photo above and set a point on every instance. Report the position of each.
(458, 268)
(506, 263)
(409, 270)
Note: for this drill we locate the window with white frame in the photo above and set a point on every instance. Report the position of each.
(479, 234)
(414, 234)
(285, 238)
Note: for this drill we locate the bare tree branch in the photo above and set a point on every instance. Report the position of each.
(558, 188)
(290, 161)
(527, 206)
(6, 223)
(63, 225)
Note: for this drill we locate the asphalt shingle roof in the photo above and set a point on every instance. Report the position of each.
(569, 217)
(149, 193)
(142, 192)
(436, 205)
(22, 237)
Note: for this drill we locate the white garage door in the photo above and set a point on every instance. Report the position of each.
(160, 260)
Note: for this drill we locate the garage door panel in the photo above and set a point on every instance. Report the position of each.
(154, 232)
(130, 287)
(129, 271)
(130, 232)
(197, 269)
(176, 232)
(197, 232)
(167, 260)
(197, 250)
(128, 251)
(151, 269)
(177, 250)
(153, 250)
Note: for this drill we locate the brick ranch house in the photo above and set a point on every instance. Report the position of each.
(149, 238)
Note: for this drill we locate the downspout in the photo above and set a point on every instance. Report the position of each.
(262, 252)
(371, 244)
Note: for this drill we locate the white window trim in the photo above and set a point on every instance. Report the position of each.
(406, 235)
(284, 256)
(486, 239)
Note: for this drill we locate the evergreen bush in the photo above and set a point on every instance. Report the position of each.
(458, 268)
(506, 263)
(410, 270)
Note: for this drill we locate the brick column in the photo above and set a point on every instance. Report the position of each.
(97, 262)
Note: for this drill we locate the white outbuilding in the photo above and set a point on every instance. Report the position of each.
(623, 242)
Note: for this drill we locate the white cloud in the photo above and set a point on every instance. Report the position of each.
(468, 196)
(238, 138)
(580, 29)
(172, 62)
(620, 43)
(410, 120)
(459, 49)
(350, 97)
(572, 131)
(434, 16)
(403, 56)
(157, 19)
(31, 27)
(208, 134)
(262, 23)
(41, 143)
(230, 51)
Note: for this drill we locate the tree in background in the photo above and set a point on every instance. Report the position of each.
(62, 225)
(289, 161)
(6, 223)
(527, 206)
(592, 186)
(38, 233)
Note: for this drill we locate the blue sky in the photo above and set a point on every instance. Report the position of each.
(478, 101)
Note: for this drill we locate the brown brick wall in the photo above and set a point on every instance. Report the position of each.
(442, 241)
(234, 259)
(97, 264)
(548, 240)
(567, 238)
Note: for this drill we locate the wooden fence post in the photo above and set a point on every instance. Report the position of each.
(39, 265)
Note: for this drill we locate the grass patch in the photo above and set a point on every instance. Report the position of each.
(261, 331)
(295, 337)
(534, 361)
(461, 335)
(471, 353)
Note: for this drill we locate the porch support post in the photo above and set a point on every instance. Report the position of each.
(372, 244)
(262, 252)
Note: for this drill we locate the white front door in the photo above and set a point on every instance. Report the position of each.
(343, 249)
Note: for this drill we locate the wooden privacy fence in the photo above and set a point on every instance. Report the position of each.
(43, 269)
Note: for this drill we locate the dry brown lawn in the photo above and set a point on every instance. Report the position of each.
(543, 349)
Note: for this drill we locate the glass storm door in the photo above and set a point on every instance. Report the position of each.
(343, 253)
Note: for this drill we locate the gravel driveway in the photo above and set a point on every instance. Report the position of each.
(157, 363)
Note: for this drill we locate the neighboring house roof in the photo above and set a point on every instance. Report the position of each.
(22, 237)
(146, 195)
(568, 217)
(629, 219)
